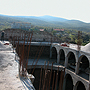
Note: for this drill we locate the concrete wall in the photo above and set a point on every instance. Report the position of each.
(37, 36)
(74, 74)
(67, 51)
(78, 54)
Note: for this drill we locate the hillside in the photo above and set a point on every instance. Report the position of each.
(5, 21)
(46, 21)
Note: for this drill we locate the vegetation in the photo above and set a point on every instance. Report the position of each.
(69, 36)
(71, 27)
(6, 21)
(45, 21)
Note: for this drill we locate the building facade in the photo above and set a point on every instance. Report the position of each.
(21, 25)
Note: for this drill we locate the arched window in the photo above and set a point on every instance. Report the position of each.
(62, 57)
(68, 82)
(71, 61)
(84, 67)
(80, 86)
(54, 54)
(84, 63)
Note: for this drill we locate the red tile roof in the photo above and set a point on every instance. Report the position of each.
(41, 29)
(59, 29)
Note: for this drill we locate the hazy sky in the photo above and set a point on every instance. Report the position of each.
(69, 9)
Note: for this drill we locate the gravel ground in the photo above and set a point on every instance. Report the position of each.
(9, 79)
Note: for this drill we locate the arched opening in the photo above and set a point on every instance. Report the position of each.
(80, 86)
(84, 67)
(71, 61)
(54, 54)
(68, 82)
(62, 57)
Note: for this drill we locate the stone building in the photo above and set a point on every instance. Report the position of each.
(21, 25)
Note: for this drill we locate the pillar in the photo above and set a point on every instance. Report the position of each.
(77, 68)
(77, 62)
(58, 58)
(89, 74)
(74, 87)
(66, 62)
(51, 51)
(64, 83)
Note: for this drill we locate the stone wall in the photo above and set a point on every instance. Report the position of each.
(37, 36)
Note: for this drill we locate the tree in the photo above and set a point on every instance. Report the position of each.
(45, 29)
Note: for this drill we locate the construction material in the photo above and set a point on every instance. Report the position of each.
(48, 80)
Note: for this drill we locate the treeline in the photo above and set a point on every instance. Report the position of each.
(68, 35)
(5, 22)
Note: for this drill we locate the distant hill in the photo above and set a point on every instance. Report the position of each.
(44, 18)
(5, 21)
(51, 18)
(47, 21)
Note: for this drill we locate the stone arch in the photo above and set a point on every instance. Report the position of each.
(54, 54)
(68, 82)
(84, 67)
(79, 86)
(62, 57)
(71, 61)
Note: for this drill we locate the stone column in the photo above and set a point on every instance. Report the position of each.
(77, 63)
(77, 68)
(89, 74)
(58, 58)
(51, 51)
(64, 83)
(66, 61)
(74, 88)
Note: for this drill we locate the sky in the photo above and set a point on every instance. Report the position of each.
(68, 9)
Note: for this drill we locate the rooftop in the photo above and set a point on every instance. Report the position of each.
(59, 29)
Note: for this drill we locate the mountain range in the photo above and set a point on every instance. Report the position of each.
(46, 21)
